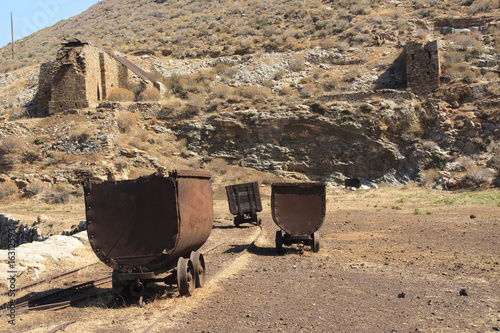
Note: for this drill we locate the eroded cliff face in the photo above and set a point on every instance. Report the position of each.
(377, 136)
(299, 142)
(385, 136)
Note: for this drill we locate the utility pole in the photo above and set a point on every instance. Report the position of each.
(12, 31)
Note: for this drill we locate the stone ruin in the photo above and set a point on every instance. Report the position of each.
(82, 75)
(422, 66)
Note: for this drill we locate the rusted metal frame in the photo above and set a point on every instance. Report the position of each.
(236, 193)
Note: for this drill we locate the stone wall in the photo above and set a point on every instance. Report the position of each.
(80, 76)
(68, 81)
(44, 93)
(93, 84)
(114, 74)
(422, 66)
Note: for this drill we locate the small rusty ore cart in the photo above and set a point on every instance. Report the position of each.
(244, 202)
(150, 228)
(299, 210)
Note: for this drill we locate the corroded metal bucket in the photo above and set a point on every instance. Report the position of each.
(298, 208)
(146, 224)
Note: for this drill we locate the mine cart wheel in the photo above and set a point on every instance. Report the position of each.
(237, 221)
(185, 276)
(116, 284)
(199, 268)
(315, 245)
(279, 242)
(137, 288)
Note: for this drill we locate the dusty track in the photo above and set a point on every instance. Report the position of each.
(390, 261)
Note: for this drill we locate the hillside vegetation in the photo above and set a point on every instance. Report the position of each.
(295, 89)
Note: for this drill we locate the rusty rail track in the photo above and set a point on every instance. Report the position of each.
(50, 278)
(52, 300)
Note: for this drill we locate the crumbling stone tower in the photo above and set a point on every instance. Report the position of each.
(422, 66)
(80, 76)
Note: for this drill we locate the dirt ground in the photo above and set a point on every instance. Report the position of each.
(391, 260)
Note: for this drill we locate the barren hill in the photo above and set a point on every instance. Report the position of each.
(306, 90)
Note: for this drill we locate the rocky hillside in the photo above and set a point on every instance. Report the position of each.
(303, 90)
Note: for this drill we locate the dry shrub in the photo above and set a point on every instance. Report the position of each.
(60, 193)
(222, 90)
(35, 188)
(220, 68)
(299, 47)
(494, 162)
(332, 82)
(174, 104)
(307, 90)
(7, 189)
(476, 177)
(149, 94)
(80, 134)
(469, 76)
(428, 178)
(121, 95)
(194, 104)
(464, 163)
(285, 91)
(352, 74)
(491, 76)
(250, 91)
(329, 43)
(12, 145)
(18, 113)
(279, 75)
(297, 63)
(126, 121)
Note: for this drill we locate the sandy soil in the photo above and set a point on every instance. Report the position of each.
(391, 260)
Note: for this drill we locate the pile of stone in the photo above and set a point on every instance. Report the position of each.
(13, 233)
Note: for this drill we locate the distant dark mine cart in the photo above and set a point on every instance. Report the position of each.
(150, 228)
(299, 210)
(244, 202)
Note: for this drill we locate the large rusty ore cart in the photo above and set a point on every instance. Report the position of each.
(299, 210)
(244, 202)
(150, 228)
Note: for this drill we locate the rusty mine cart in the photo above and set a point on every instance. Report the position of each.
(149, 229)
(299, 210)
(244, 202)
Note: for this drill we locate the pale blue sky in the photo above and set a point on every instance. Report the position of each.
(33, 15)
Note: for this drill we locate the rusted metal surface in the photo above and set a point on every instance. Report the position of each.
(134, 68)
(244, 201)
(145, 225)
(298, 208)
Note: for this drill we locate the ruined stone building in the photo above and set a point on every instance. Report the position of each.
(81, 75)
(422, 66)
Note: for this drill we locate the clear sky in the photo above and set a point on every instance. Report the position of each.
(33, 15)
